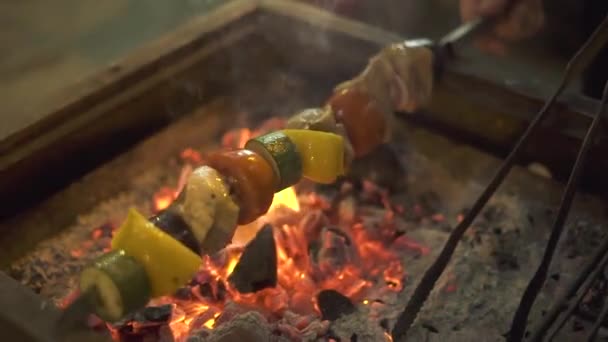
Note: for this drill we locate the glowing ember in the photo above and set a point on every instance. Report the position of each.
(359, 261)
(191, 156)
(299, 279)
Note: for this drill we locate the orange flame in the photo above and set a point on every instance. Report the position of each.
(163, 198)
(286, 198)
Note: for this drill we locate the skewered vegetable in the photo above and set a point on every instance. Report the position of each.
(156, 257)
(226, 212)
(322, 154)
(206, 201)
(167, 262)
(323, 119)
(365, 124)
(120, 285)
(250, 177)
(282, 154)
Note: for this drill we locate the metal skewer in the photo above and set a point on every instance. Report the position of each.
(444, 49)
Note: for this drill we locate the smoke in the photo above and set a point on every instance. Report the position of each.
(249, 64)
(344, 8)
(185, 94)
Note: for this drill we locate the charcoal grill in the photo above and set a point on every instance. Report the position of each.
(190, 86)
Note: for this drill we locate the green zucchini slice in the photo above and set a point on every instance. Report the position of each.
(120, 285)
(278, 150)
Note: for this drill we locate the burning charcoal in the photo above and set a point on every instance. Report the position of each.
(221, 291)
(347, 210)
(148, 324)
(312, 224)
(334, 250)
(384, 324)
(158, 313)
(95, 323)
(383, 167)
(293, 327)
(206, 290)
(183, 293)
(257, 266)
(337, 195)
(301, 303)
(151, 314)
(104, 231)
(333, 305)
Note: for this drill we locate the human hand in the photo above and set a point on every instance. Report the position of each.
(522, 20)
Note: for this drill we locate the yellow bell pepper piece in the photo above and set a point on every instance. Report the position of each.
(322, 154)
(168, 263)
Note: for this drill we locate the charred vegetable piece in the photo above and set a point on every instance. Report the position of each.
(168, 263)
(282, 154)
(322, 154)
(251, 178)
(120, 284)
(365, 123)
(172, 223)
(209, 209)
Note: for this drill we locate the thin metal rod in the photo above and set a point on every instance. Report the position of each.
(519, 324)
(598, 267)
(464, 31)
(469, 29)
(580, 285)
(600, 320)
(579, 288)
(520, 319)
(580, 60)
